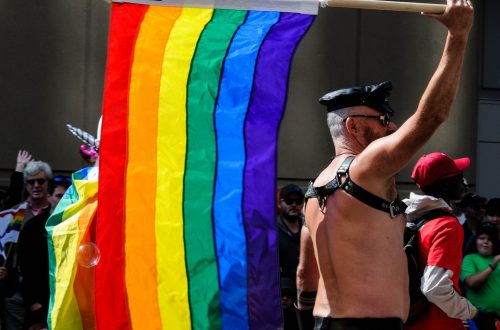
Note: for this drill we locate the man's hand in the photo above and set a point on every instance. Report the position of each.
(3, 273)
(457, 17)
(23, 158)
(496, 260)
(36, 317)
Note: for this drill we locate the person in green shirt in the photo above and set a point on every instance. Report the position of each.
(482, 278)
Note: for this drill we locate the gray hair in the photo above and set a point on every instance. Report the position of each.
(36, 166)
(335, 121)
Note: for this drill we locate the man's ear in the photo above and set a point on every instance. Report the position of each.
(278, 205)
(351, 126)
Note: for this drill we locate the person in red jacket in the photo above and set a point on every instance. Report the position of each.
(440, 242)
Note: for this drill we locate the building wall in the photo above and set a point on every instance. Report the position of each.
(53, 63)
(51, 74)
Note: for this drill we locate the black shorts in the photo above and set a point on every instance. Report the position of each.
(330, 323)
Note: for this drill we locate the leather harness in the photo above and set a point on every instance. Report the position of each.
(394, 207)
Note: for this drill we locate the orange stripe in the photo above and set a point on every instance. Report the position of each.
(140, 243)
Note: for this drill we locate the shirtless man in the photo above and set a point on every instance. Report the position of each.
(363, 282)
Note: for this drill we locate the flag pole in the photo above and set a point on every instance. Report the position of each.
(385, 5)
(8, 254)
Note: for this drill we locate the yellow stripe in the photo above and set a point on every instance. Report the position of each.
(171, 144)
(140, 241)
(66, 238)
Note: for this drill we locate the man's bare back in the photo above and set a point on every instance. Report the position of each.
(357, 280)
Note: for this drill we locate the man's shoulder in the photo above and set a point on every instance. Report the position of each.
(443, 221)
(472, 257)
(328, 174)
(281, 227)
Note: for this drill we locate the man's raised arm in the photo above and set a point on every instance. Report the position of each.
(437, 100)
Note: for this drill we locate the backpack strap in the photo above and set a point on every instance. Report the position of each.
(431, 215)
(420, 222)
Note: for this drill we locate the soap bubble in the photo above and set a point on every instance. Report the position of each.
(88, 255)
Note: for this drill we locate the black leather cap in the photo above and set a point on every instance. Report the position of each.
(374, 96)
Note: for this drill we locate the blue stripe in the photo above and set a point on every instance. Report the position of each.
(234, 94)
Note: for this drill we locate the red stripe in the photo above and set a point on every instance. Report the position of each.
(111, 307)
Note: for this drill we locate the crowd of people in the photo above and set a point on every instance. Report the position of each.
(472, 230)
(341, 256)
(32, 195)
(479, 275)
(460, 250)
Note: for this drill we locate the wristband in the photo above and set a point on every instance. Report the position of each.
(306, 299)
(492, 267)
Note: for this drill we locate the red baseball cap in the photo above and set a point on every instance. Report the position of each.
(436, 166)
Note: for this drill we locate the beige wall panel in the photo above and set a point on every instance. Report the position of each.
(51, 74)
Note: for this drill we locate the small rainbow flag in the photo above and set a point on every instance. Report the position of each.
(70, 225)
(11, 221)
(187, 173)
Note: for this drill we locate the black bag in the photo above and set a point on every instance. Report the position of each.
(418, 302)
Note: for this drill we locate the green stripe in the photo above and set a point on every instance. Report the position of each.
(55, 219)
(200, 167)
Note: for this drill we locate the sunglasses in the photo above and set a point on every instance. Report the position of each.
(61, 178)
(384, 119)
(39, 181)
(296, 201)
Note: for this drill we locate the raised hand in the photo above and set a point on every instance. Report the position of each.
(457, 17)
(23, 158)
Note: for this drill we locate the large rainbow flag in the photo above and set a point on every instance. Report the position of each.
(71, 225)
(187, 173)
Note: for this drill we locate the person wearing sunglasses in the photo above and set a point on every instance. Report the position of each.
(354, 216)
(289, 223)
(36, 176)
(32, 250)
(34, 260)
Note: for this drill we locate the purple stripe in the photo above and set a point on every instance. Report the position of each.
(261, 138)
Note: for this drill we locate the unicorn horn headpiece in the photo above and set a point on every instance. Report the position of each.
(90, 148)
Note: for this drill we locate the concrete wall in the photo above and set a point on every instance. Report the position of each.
(53, 59)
